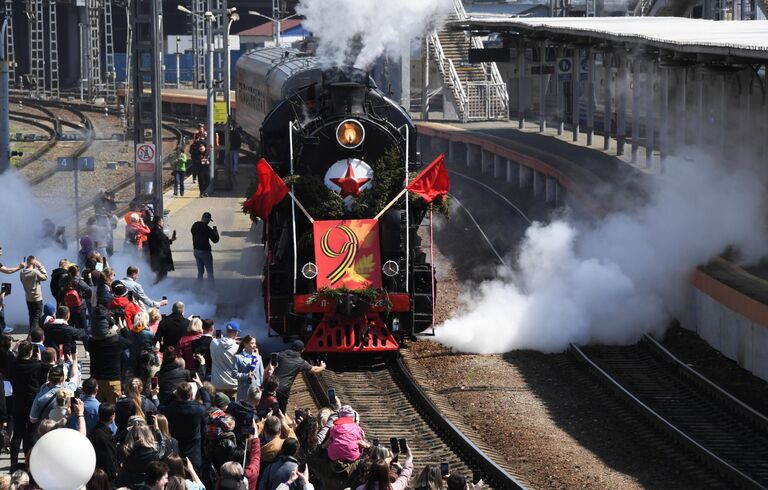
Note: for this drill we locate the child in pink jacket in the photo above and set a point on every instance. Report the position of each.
(346, 437)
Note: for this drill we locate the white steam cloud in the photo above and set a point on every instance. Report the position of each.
(20, 235)
(363, 30)
(626, 275)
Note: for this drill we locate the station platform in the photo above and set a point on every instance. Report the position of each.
(729, 301)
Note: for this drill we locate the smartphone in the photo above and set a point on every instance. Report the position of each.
(155, 381)
(477, 475)
(72, 403)
(218, 333)
(375, 442)
(444, 469)
(273, 359)
(302, 467)
(403, 446)
(6, 288)
(99, 266)
(275, 409)
(393, 445)
(298, 414)
(331, 394)
(150, 418)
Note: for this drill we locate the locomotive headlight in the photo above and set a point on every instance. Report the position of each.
(350, 134)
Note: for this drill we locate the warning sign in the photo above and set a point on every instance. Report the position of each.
(220, 113)
(145, 158)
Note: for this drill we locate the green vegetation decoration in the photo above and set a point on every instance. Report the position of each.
(369, 295)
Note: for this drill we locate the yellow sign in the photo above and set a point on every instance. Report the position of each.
(220, 113)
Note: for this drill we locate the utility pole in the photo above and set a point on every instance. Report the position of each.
(5, 124)
(148, 107)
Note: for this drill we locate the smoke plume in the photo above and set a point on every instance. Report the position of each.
(357, 32)
(612, 281)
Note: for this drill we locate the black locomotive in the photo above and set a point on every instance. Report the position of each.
(346, 282)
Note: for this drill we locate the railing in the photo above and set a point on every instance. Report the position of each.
(485, 102)
(497, 86)
(449, 73)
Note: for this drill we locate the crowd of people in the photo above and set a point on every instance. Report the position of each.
(173, 402)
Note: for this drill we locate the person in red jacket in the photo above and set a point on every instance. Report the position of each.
(122, 301)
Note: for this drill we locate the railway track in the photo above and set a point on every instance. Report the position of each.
(392, 404)
(709, 423)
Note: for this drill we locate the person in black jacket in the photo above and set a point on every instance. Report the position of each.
(202, 236)
(172, 327)
(186, 417)
(138, 451)
(59, 333)
(160, 255)
(202, 346)
(103, 444)
(25, 383)
(57, 283)
(106, 351)
(132, 403)
(171, 375)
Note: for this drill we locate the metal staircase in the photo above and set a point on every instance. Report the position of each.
(94, 47)
(198, 43)
(10, 45)
(53, 50)
(37, 48)
(109, 53)
(478, 90)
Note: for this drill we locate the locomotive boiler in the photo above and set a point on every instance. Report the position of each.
(342, 271)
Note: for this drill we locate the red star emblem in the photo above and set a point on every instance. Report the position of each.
(350, 185)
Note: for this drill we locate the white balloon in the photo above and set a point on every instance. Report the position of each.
(62, 459)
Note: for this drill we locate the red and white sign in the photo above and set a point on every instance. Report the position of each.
(146, 156)
(347, 253)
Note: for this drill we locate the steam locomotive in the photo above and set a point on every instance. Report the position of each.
(335, 274)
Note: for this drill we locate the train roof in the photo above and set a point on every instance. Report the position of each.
(286, 60)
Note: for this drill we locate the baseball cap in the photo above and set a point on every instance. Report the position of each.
(297, 345)
(119, 289)
(207, 215)
(234, 326)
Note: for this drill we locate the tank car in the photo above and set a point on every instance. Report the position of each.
(348, 281)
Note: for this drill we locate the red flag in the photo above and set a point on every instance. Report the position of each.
(271, 190)
(432, 181)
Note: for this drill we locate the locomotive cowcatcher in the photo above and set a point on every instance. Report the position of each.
(336, 274)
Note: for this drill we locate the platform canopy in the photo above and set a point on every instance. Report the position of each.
(741, 39)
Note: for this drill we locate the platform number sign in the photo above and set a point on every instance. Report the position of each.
(145, 158)
(564, 69)
(68, 164)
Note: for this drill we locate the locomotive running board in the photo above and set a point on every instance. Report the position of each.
(337, 333)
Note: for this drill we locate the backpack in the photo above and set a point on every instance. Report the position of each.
(72, 299)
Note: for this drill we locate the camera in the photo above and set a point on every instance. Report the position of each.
(6, 288)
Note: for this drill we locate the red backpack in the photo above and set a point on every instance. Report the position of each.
(72, 298)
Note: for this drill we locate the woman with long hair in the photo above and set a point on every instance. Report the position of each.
(429, 478)
(133, 403)
(378, 475)
(183, 469)
(137, 451)
(166, 443)
(249, 367)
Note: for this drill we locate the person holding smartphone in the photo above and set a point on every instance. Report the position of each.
(202, 236)
(31, 276)
(378, 475)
